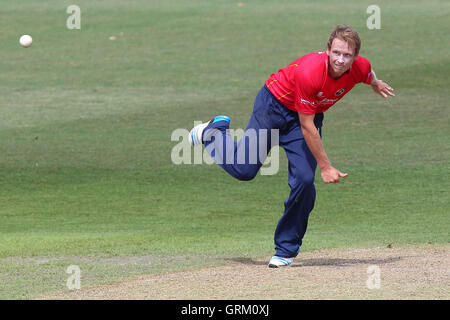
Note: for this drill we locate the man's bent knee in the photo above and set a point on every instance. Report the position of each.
(246, 175)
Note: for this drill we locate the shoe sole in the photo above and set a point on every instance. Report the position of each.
(279, 262)
(276, 266)
(273, 266)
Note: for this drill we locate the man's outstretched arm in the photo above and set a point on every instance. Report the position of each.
(380, 87)
(312, 138)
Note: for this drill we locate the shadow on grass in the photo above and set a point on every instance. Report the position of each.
(317, 262)
(337, 262)
(247, 261)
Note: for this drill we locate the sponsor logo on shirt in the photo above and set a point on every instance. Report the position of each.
(307, 102)
(339, 92)
(326, 101)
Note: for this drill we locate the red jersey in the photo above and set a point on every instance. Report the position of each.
(306, 87)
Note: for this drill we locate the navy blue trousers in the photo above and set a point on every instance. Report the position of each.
(242, 160)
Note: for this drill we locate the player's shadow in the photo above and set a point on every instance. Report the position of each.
(317, 262)
(248, 261)
(339, 262)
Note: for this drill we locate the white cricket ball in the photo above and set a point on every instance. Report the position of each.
(26, 40)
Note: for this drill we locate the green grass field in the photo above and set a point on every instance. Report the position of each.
(86, 176)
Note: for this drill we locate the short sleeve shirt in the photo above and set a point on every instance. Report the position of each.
(305, 85)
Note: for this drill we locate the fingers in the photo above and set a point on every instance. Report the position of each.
(385, 93)
(342, 175)
(386, 90)
(389, 91)
(339, 175)
(334, 177)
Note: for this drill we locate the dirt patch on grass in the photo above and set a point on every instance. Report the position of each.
(377, 273)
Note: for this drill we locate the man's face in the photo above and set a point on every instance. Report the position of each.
(341, 56)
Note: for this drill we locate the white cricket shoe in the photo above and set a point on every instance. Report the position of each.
(195, 136)
(278, 262)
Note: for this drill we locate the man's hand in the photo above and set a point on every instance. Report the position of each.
(332, 175)
(383, 89)
(380, 87)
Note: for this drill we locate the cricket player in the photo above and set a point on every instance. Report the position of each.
(292, 102)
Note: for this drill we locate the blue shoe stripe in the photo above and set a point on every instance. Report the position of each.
(193, 135)
(221, 118)
(196, 136)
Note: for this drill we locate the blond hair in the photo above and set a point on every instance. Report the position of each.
(347, 34)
